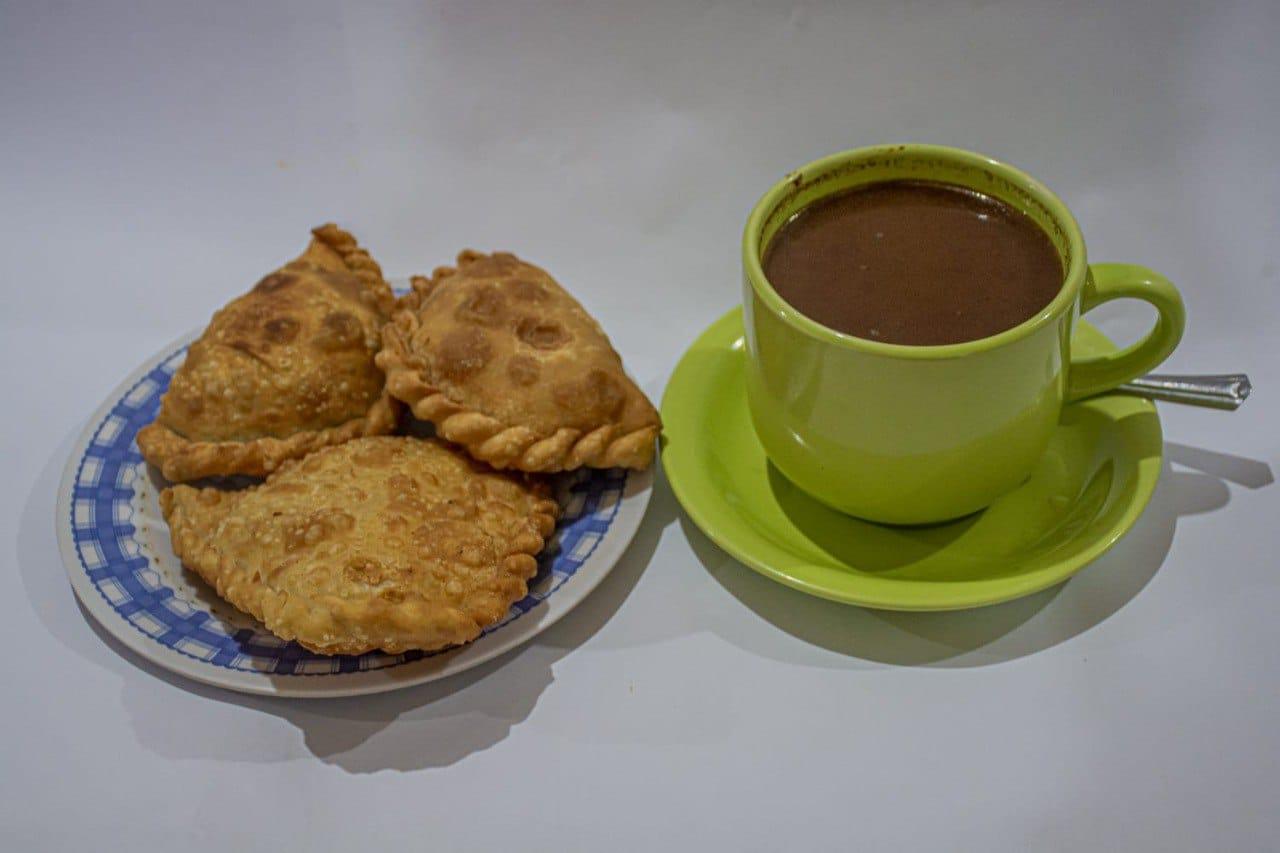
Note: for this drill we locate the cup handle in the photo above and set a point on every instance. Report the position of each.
(1105, 282)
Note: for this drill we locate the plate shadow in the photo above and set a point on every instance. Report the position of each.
(1193, 480)
(437, 724)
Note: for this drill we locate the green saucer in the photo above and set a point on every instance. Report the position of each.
(1092, 484)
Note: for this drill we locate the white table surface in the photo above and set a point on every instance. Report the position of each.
(157, 160)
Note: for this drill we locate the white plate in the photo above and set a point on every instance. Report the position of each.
(115, 546)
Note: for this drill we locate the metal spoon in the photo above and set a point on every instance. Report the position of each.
(1224, 391)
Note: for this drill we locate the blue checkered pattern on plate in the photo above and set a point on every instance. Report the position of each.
(102, 513)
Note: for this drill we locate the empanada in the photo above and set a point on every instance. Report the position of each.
(506, 363)
(390, 543)
(282, 370)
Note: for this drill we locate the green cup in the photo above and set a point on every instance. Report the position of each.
(919, 434)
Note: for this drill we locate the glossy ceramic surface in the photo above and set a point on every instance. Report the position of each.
(920, 434)
(1084, 492)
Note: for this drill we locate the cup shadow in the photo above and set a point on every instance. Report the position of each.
(1193, 481)
(830, 529)
(438, 724)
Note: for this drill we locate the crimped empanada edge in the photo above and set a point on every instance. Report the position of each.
(487, 438)
(180, 458)
(304, 621)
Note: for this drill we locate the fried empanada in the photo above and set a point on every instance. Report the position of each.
(390, 543)
(282, 370)
(506, 363)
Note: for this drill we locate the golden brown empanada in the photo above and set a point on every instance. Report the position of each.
(506, 363)
(282, 370)
(390, 543)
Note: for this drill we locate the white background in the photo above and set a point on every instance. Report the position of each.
(157, 160)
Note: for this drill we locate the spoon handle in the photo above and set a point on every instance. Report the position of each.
(1225, 391)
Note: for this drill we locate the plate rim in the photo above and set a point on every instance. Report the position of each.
(961, 595)
(632, 506)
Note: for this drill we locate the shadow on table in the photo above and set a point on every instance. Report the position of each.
(437, 724)
(1192, 481)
